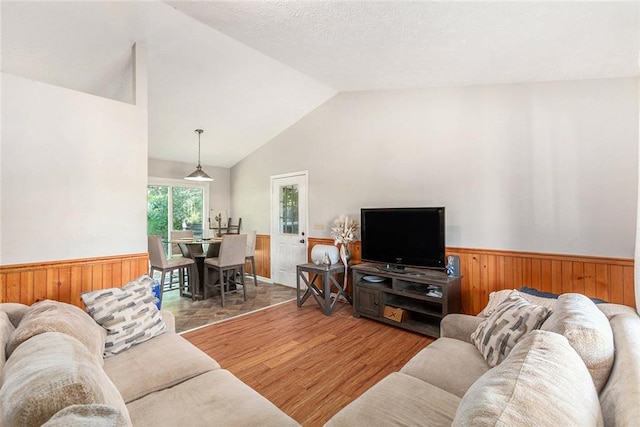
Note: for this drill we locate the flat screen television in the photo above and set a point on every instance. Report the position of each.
(403, 237)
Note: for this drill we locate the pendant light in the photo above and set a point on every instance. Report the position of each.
(198, 174)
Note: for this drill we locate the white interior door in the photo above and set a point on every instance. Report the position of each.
(288, 226)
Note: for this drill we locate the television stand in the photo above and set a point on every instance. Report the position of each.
(390, 268)
(425, 295)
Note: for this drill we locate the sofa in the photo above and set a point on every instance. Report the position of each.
(577, 365)
(56, 370)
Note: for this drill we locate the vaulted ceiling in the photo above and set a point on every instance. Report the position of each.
(244, 71)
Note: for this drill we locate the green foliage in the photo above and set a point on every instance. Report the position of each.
(187, 209)
(157, 211)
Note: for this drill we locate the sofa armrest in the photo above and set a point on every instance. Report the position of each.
(169, 320)
(459, 326)
(15, 311)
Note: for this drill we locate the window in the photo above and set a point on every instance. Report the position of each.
(289, 209)
(176, 205)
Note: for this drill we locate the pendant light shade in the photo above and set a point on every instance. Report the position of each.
(198, 174)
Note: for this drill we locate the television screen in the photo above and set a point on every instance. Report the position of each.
(403, 236)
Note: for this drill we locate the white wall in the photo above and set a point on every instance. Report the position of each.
(545, 167)
(219, 189)
(74, 174)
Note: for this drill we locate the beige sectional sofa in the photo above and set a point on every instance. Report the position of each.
(579, 367)
(577, 364)
(52, 375)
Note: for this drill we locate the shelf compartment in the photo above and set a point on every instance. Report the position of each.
(386, 285)
(417, 324)
(419, 289)
(423, 324)
(413, 305)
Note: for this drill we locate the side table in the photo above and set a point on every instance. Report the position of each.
(322, 292)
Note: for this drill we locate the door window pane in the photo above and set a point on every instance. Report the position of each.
(289, 209)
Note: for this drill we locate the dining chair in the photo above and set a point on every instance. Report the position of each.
(176, 235)
(234, 229)
(250, 254)
(195, 248)
(158, 262)
(177, 251)
(230, 259)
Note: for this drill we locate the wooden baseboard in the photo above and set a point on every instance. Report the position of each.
(263, 255)
(66, 280)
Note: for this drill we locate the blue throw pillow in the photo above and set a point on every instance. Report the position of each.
(155, 289)
(534, 291)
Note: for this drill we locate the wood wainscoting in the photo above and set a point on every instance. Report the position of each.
(263, 256)
(66, 280)
(485, 271)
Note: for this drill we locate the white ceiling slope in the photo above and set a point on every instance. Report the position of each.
(372, 45)
(198, 77)
(244, 71)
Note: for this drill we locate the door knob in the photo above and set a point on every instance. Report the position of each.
(301, 240)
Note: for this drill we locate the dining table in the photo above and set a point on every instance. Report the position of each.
(198, 249)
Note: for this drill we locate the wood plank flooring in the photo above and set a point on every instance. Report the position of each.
(308, 364)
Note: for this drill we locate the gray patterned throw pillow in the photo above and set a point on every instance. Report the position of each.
(511, 320)
(129, 314)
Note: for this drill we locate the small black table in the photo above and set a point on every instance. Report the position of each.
(322, 292)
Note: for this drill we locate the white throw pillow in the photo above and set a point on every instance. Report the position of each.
(497, 297)
(129, 314)
(511, 320)
(588, 330)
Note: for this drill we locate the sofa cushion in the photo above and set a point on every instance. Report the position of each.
(6, 329)
(161, 362)
(576, 317)
(129, 314)
(542, 382)
(436, 363)
(49, 372)
(94, 415)
(400, 400)
(512, 319)
(611, 310)
(620, 397)
(55, 316)
(496, 298)
(215, 398)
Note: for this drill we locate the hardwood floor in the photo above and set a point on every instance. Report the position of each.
(308, 364)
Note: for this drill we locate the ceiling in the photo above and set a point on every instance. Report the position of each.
(244, 71)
